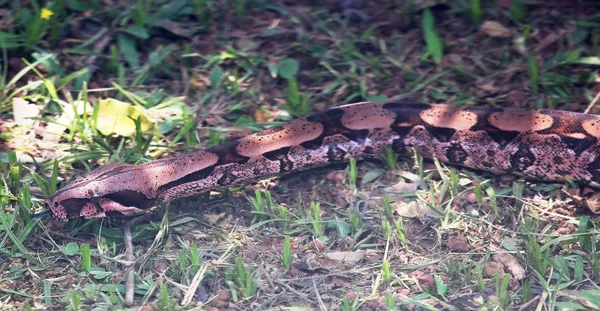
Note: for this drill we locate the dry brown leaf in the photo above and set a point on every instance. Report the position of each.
(587, 198)
(494, 29)
(414, 209)
(346, 256)
(512, 264)
(401, 187)
(492, 268)
(458, 243)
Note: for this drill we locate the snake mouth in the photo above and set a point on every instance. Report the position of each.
(42, 214)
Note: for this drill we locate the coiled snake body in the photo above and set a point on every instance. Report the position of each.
(538, 144)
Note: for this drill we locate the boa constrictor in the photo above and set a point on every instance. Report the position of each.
(537, 144)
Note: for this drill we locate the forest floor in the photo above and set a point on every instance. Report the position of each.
(376, 235)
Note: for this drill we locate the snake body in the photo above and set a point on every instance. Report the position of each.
(548, 145)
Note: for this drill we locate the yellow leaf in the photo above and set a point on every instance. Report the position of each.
(117, 117)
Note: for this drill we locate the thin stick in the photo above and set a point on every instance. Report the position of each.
(592, 103)
(128, 240)
(130, 280)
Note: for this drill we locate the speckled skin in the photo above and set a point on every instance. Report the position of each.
(538, 144)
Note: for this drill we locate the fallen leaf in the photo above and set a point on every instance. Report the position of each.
(55, 129)
(587, 298)
(401, 187)
(23, 112)
(346, 256)
(492, 268)
(512, 264)
(371, 175)
(494, 29)
(414, 209)
(116, 117)
(425, 280)
(511, 244)
(458, 243)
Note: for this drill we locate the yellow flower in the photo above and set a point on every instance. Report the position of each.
(46, 14)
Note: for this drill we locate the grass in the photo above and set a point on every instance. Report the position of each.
(193, 74)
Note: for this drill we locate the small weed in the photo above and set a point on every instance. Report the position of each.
(479, 274)
(315, 219)
(536, 257)
(401, 232)
(527, 290)
(502, 290)
(352, 174)
(74, 301)
(354, 220)
(493, 200)
(534, 72)
(258, 207)
(475, 13)
(86, 257)
(389, 213)
(390, 303)
(194, 259)
(390, 158)
(478, 193)
(346, 305)
(284, 218)
(440, 287)
(240, 280)
(166, 301)
(386, 274)
(386, 228)
(435, 48)
(287, 252)
(518, 11)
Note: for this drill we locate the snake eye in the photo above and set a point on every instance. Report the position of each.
(55, 204)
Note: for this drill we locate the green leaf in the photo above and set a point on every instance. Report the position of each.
(70, 249)
(533, 71)
(288, 68)
(216, 77)
(137, 31)
(99, 273)
(117, 117)
(434, 43)
(591, 60)
(128, 50)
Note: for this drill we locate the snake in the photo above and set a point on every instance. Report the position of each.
(545, 144)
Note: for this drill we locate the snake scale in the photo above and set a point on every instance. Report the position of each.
(547, 145)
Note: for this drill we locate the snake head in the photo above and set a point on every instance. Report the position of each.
(73, 207)
(70, 204)
(96, 193)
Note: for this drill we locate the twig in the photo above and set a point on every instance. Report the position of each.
(191, 291)
(592, 103)
(128, 241)
(321, 304)
(130, 281)
(298, 293)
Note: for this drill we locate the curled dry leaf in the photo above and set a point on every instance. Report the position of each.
(492, 268)
(458, 243)
(346, 256)
(511, 264)
(401, 187)
(414, 209)
(494, 29)
(585, 198)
